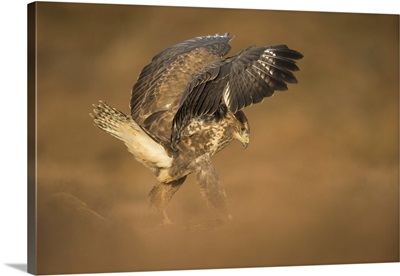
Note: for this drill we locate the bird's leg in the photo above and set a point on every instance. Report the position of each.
(161, 194)
(211, 187)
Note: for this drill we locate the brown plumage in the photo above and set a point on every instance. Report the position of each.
(186, 106)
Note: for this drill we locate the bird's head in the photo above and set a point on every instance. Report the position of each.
(242, 129)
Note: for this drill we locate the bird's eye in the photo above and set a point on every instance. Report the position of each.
(243, 128)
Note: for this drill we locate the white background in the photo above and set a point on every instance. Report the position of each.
(13, 151)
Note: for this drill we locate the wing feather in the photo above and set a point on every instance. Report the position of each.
(237, 82)
(157, 93)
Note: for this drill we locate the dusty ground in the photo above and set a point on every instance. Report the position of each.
(318, 183)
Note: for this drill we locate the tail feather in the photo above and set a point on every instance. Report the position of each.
(124, 128)
(110, 119)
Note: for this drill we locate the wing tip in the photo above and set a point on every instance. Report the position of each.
(224, 35)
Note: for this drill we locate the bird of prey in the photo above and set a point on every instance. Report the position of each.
(187, 105)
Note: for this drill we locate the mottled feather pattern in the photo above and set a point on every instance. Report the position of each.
(210, 128)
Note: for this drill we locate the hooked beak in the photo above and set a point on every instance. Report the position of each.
(245, 142)
(244, 139)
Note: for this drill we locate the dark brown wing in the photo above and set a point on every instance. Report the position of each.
(156, 96)
(236, 82)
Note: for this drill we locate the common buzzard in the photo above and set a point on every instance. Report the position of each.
(187, 105)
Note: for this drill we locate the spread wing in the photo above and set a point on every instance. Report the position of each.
(237, 82)
(156, 96)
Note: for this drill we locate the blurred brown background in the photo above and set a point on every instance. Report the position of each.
(317, 185)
